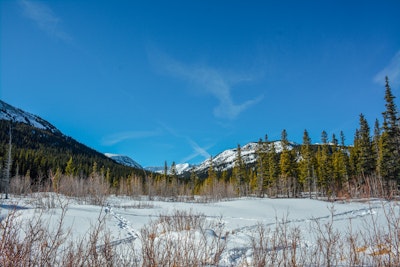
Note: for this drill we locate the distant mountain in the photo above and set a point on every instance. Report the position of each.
(180, 168)
(38, 147)
(224, 161)
(124, 160)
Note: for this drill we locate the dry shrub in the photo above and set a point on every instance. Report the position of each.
(34, 242)
(277, 246)
(182, 239)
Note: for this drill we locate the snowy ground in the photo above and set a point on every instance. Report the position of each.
(240, 219)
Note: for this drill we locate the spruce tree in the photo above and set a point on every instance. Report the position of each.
(239, 171)
(324, 165)
(70, 169)
(287, 165)
(384, 157)
(391, 145)
(261, 167)
(306, 163)
(7, 170)
(366, 159)
(354, 155)
(339, 170)
(272, 167)
(375, 145)
(342, 139)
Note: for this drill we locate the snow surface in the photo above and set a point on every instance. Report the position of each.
(125, 217)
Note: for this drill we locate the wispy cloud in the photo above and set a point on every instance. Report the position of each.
(44, 17)
(213, 81)
(122, 136)
(197, 149)
(392, 71)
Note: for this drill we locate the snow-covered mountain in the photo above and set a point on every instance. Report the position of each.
(180, 168)
(224, 160)
(10, 113)
(124, 160)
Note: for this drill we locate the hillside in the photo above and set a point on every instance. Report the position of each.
(38, 147)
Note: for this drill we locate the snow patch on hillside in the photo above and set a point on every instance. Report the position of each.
(10, 113)
(124, 160)
(224, 160)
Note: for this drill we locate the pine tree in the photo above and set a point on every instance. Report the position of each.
(384, 156)
(390, 169)
(342, 139)
(324, 165)
(272, 174)
(339, 170)
(7, 170)
(173, 172)
(375, 139)
(261, 167)
(174, 179)
(70, 169)
(239, 171)
(306, 163)
(211, 180)
(165, 173)
(366, 159)
(287, 165)
(354, 155)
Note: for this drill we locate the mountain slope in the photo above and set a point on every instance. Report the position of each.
(224, 161)
(16, 115)
(38, 147)
(124, 160)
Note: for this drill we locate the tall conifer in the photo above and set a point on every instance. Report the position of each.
(366, 159)
(391, 142)
(306, 163)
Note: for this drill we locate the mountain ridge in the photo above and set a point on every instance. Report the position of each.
(40, 149)
(223, 161)
(11, 113)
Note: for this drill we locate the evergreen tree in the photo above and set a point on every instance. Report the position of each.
(339, 170)
(174, 179)
(173, 172)
(342, 139)
(239, 171)
(7, 170)
(272, 167)
(261, 167)
(391, 142)
(354, 155)
(69, 169)
(287, 165)
(211, 180)
(366, 159)
(384, 156)
(306, 163)
(165, 170)
(324, 165)
(324, 137)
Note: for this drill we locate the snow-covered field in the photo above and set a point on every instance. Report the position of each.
(237, 231)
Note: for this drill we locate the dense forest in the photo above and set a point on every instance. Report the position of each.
(368, 168)
(38, 152)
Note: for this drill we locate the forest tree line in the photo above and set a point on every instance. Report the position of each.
(368, 168)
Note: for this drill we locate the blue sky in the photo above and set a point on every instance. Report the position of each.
(182, 80)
